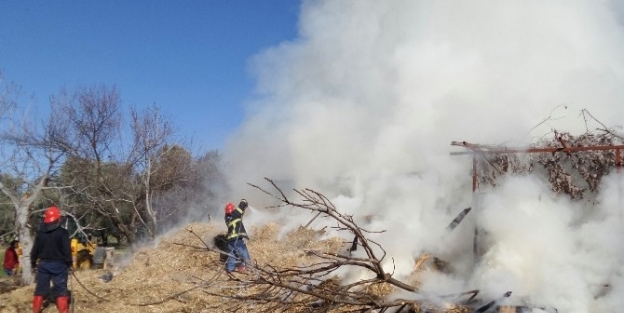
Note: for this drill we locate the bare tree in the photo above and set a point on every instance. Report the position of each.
(97, 167)
(198, 185)
(30, 158)
(112, 165)
(9, 91)
(151, 132)
(7, 213)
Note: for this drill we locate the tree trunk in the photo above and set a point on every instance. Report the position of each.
(153, 223)
(129, 233)
(26, 240)
(22, 214)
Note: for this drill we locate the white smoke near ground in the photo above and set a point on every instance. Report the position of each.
(363, 105)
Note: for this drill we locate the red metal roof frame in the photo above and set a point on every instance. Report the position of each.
(489, 149)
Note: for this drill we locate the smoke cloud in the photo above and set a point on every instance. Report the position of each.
(363, 105)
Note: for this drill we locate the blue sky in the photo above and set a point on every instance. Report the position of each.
(188, 57)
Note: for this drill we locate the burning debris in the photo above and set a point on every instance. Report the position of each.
(106, 277)
(458, 219)
(299, 272)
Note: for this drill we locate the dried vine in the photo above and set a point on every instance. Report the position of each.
(570, 173)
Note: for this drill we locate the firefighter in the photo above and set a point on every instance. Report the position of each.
(53, 251)
(237, 249)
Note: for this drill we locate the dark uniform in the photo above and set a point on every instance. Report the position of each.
(237, 249)
(53, 250)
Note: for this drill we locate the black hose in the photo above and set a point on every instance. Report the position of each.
(73, 296)
(86, 289)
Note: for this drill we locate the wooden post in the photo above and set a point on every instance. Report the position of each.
(493, 150)
(475, 182)
(618, 159)
(475, 185)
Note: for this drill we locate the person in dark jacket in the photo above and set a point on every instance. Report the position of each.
(237, 249)
(53, 251)
(11, 261)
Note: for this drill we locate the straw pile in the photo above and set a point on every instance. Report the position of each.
(173, 276)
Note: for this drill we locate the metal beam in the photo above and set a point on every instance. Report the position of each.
(488, 149)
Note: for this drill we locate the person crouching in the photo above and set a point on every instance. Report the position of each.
(11, 260)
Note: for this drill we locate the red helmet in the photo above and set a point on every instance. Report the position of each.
(229, 208)
(52, 214)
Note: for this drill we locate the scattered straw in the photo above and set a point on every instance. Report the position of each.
(177, 274)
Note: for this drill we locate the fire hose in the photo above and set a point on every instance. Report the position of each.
(86, 289)
(71, 287)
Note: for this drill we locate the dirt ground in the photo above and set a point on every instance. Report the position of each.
(172, 275)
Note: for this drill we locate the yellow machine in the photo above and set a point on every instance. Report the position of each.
(83, 252)
(20, 252)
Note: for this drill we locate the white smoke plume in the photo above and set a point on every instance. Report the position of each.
(363, 105)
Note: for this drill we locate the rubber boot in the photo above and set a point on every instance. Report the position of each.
(37, 303)
(62, 304)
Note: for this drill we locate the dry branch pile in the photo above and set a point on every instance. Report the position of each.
(299, 272)
(568, 173)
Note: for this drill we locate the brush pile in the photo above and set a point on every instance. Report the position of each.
(181, 274)
(303, 270)
(572, 173)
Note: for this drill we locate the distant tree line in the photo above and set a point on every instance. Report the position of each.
(117, 173)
